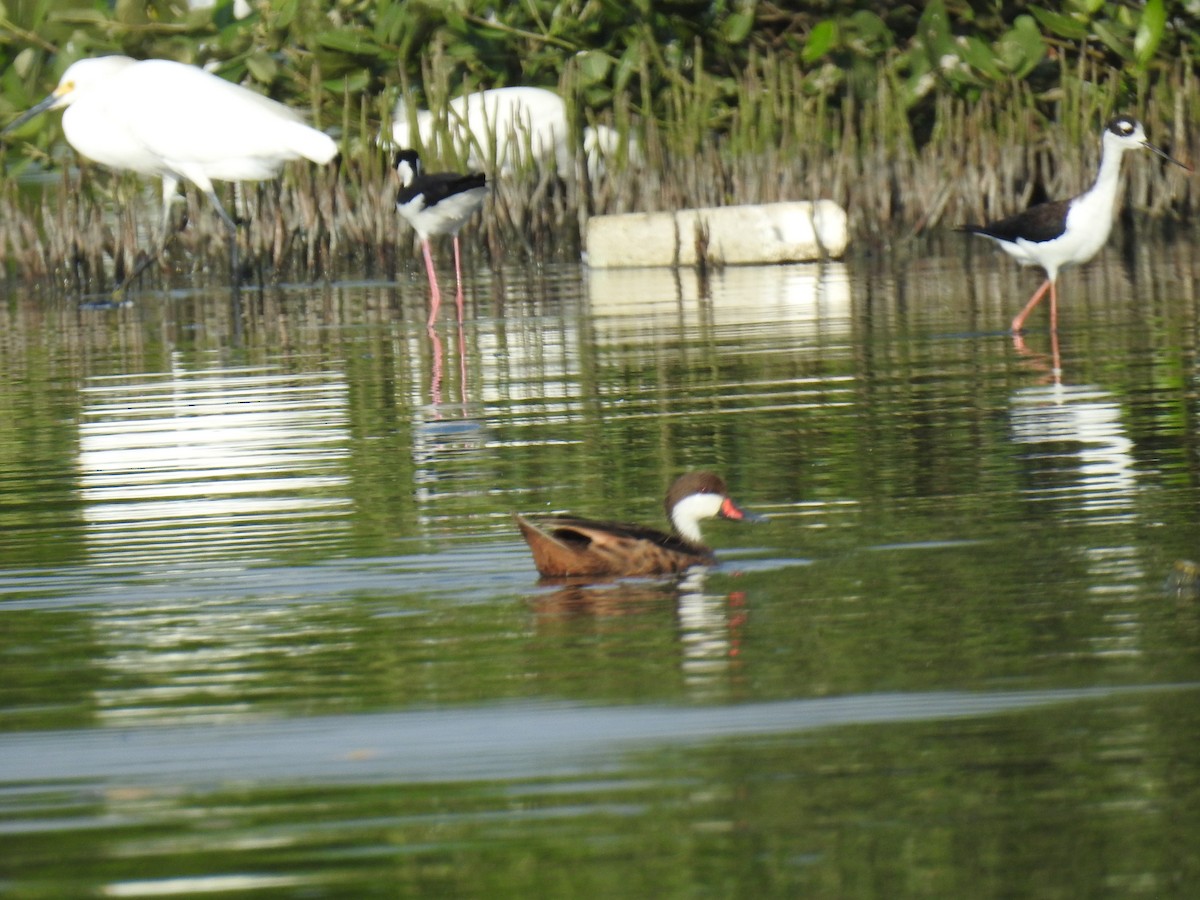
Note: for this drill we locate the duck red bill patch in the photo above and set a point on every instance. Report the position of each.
(730, 511)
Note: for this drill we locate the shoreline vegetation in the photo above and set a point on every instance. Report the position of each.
(905, 151)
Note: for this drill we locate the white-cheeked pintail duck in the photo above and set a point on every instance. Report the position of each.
(567, 546)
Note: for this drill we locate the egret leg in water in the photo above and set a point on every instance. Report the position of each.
(181, 123)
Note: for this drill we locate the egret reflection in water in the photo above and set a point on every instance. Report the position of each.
(196, 463)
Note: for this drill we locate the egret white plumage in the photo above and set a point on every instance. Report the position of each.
(518, 123)
(434, 204)
(179, 122)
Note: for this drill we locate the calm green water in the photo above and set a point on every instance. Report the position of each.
(266, 628)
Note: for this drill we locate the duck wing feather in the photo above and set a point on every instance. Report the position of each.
(565, 546)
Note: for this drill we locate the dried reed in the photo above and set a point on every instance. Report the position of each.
(782, 135)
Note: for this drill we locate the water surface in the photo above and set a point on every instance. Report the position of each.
(268, 629)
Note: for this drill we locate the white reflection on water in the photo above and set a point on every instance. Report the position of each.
(807, 301)
(1080, 461)
(186, 465)
(1081, 455)
(710, 627)
(556, 361)
(207, 884)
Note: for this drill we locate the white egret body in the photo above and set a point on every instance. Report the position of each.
(179, 122)
(520, 123)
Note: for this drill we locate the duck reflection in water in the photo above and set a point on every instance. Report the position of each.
(617, 615)
(567, 546)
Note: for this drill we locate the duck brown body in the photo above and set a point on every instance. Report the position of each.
(569, 546)
(564, 546)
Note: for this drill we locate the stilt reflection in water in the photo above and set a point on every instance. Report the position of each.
(1084, 459)
(442, 443)
(437, 358)
(1051, 365)
(1080, 463)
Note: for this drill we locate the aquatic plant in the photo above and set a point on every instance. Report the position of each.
(907, 118)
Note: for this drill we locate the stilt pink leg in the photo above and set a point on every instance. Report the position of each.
(1019, 321)
(458, 279)
(433, 285)
(462, 366)
(1054, 307)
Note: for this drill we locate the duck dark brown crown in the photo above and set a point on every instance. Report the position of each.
(694, 483)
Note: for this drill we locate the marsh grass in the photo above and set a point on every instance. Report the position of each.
(777, 133)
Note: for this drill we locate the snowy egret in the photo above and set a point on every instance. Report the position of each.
(435, 204)
(179, 122)
(518, 123)
(1068, 232)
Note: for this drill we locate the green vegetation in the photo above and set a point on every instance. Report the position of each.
(946, 110)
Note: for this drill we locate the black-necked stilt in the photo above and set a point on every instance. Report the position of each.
(1067, 232)
(434, 204)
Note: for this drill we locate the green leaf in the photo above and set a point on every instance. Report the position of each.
(978, 55)
(868, 28)
(348, 42)
(392, 22)
(820, 40)
(933, 31)
(736, 27)
(593, 67)
(284, 13)
(352, 84)
(1021, 47)
(262, 66)
(454, 20)
(627, 67)
(24, 62)
(1060, 25)
(1149, 31)
(81, 17)
(130, 13)
(1113, 41)
(920, 80)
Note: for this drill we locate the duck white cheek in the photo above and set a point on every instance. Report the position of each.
(690, 510)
